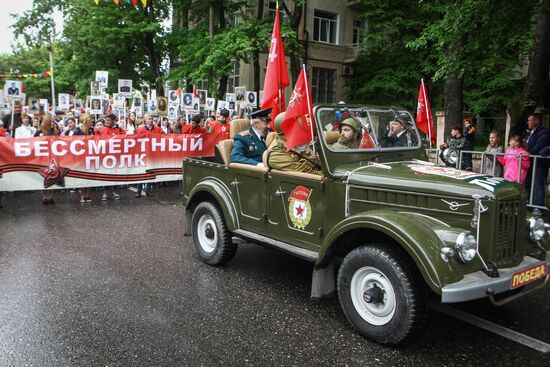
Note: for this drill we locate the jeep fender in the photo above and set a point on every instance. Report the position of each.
(221, 194)
(421, 236)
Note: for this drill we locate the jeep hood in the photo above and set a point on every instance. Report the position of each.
(419, 176)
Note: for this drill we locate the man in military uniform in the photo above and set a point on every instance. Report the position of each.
(350, 134)
(250, 143)
(299, 159)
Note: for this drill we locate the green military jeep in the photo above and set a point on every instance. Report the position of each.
(384, 227)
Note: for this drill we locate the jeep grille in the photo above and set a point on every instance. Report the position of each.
(507, 230)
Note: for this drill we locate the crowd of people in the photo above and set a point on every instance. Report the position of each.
(18, 124)
(517, 163)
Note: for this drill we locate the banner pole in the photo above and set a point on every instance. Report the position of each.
(12, 118)
(427, 115)
(309, 107)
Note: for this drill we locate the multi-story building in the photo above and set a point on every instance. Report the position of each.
(329, 35)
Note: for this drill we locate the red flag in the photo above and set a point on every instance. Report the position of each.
(424, 119)
(298, 123)
(195, 93)
(135, 3)
(276, 76)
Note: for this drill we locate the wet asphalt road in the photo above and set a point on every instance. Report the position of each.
(118, 284)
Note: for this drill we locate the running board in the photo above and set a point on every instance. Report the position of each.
(283, 246)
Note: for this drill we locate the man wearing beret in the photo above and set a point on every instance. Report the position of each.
(250, 143)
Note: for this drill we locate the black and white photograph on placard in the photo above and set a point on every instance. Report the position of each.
(34, 105)
(173, 112)
(239, 93)
(119, 100)
(95, 88)
(44, 104)
(102, 77)
(105, 103)
(137, 101)
(125, 87)
(187, 100)
(78, 103)
(203, 94)
(95, 105)
(230, 97)
(152, 106)
(222, 105)
(196, 104)
(12, 89)
(251, 98)
(210, 104)
(64, 101)
(173, 97)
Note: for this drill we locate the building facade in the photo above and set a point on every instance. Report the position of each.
(329, 36)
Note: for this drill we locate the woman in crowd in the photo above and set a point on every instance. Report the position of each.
(25, 130)
(48, 128)
(176, 127)
(131, 124)
(489, 161)
(165, 126)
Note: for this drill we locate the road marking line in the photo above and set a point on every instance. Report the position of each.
(493, 328)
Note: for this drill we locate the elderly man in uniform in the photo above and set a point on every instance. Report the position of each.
(299, 158)
(396, 135)
(250, 143)
(350, 134)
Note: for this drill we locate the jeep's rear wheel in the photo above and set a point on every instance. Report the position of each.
(381, 294)
(211, 238)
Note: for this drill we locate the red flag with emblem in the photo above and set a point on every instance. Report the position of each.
(276, 75)
(424, 119)
(298, 123)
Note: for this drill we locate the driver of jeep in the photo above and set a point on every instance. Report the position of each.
(350, 134)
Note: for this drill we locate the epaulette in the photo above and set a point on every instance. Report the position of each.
(244, 133)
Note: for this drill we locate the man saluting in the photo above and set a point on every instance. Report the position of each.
(250, 143)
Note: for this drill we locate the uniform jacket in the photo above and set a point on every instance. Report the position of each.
(248, 148)
(512, 165)
(281, 159)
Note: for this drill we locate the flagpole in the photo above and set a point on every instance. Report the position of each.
(279, 83)
(427, 115)
(309, 106)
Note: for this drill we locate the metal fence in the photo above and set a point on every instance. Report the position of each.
(481, 158)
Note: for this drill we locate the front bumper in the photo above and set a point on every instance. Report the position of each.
(478, 285)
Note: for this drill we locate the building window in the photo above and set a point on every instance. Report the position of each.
(359, 28)
(325, 27)
(202, 84)
(323, 85)
(233, 80)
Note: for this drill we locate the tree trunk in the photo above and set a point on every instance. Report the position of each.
(180, 23)
(453, 101)
(153, 52)
(537, 72)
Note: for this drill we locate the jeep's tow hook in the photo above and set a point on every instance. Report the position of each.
(373, 295)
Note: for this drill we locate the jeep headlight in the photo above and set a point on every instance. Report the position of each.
(537, 229)
(466, 246)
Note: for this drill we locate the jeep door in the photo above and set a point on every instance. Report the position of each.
(295, 208)
(248, 189)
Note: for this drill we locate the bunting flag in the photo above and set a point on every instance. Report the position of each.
(45, 74)
(298, 122)
(117, 2)
(424, 118)
(276, 76)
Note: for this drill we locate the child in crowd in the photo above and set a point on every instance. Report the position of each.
(489, 161)
(515, 167)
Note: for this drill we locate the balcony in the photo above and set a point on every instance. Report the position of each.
(356, 5)
(351, 53)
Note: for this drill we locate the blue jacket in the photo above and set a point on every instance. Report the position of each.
(248, 148)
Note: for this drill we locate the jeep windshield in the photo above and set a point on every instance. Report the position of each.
(357, 129)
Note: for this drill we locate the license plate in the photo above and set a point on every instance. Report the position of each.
(530, 275)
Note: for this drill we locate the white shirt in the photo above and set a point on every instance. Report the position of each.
(23, 132)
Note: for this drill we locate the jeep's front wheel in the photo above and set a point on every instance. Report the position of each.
(381, 294)
(211, 238)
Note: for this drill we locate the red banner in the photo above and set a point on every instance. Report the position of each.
(85, 161)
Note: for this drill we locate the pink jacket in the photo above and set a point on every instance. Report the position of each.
(511, 164)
